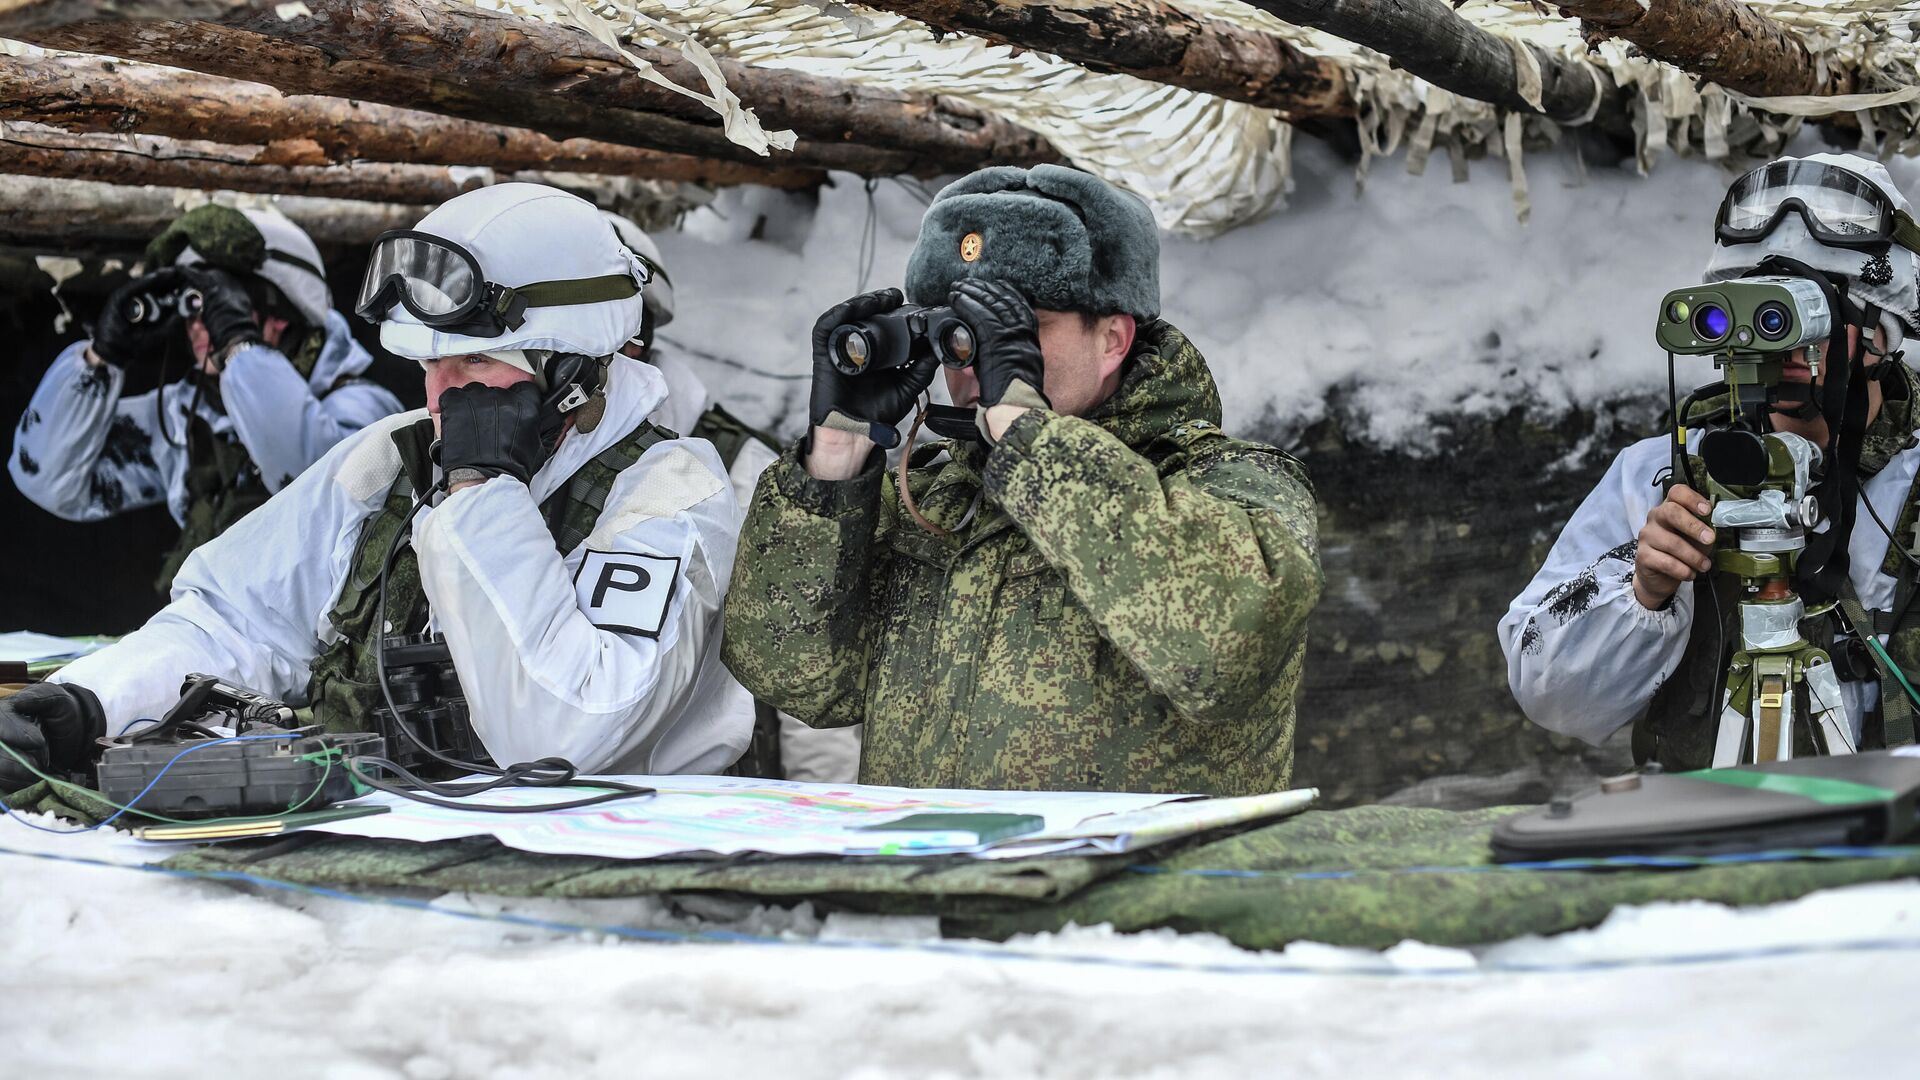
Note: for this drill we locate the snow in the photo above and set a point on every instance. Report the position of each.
(113, 972)
(1415, 298)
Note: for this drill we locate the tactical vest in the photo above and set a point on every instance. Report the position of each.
(223, 483)
(345, 689)
(729, 434)
(1681, 722)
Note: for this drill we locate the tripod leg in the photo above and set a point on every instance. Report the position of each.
(1730, 740)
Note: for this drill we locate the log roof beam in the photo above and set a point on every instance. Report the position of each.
(1723, 41)
(1154, 41)
(37, 211)
(1428, 38)
(93, 94)
(36, 150)
(450, 58)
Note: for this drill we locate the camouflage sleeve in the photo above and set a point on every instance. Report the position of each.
(796, 632)
(1203, 579)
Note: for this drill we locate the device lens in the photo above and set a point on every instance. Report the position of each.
(957, 344)
(1773, 321)
(1711, 322)
(1678, 311)
(852, 351)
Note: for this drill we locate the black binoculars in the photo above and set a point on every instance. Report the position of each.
(901, 337)
(149, 308)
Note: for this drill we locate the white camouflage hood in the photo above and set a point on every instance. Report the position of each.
(1890, 281)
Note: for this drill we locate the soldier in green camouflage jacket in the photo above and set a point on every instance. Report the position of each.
(1108, 593)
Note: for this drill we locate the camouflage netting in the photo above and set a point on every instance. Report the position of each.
(1275, 892)
(1208, 164)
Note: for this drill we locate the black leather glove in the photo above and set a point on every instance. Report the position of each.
(1007, 346)
(225, 308)
(491, 430)
(118, 339)
(872, 402)
(52, 725)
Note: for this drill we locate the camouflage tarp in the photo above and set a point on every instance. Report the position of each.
(1369, 876)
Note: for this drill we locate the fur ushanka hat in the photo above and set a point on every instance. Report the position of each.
(1066, 239)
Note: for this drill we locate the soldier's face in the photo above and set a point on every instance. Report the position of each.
(448, 371)
(1082, 359)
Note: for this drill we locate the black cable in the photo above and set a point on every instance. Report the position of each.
(1678, 423)
(414, 785)
(547, 772)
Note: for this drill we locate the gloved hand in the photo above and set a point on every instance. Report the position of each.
(119, 340)
(225, 309)
(872, 402)
(52, 725)
(1007, 346)
(492, 430)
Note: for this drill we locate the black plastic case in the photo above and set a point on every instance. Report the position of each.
(232, 779)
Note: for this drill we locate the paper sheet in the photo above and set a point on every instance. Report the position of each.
(30, 647)
(722, 815)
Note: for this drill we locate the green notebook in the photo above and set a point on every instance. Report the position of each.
(987, 827)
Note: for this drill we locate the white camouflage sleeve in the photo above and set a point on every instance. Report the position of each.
(1584, 658)
(82, 451)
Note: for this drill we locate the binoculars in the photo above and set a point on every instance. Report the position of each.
(1748, 317)
(147, 309)
(901, 337)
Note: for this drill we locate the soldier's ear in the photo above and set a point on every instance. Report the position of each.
(1116, 341)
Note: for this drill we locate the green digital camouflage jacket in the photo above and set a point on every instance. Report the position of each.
(1121, 606)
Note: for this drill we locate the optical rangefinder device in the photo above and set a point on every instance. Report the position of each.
(1750, 317)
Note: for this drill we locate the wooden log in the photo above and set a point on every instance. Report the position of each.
(1723, 41)
(64, 213)
(1430, 40)
(121, 159)
(1154, 41)
(84, 93)
(449, 58)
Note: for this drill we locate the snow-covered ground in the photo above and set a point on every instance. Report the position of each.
(1419, 299)
(114, 972)
(1419, 296)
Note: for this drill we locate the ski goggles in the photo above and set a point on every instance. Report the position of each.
(1840, 208)
(441, 284)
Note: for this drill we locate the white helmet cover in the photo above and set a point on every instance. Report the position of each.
(521, 234)
(659, 294)
(1890, 281)
(306, 291)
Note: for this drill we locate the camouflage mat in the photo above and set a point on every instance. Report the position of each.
(1370, 876)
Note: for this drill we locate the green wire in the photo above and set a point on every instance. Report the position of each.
(1891, 666)
(329, 755)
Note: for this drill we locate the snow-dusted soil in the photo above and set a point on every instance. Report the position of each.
(113, 972)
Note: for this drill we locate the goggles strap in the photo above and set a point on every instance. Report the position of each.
(1906, 232)
(593, 290)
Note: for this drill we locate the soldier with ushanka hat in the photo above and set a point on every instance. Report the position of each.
(1089, 585)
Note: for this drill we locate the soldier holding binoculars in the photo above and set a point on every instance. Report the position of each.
(1089, 586)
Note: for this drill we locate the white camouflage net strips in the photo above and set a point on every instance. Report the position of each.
(1207, 164)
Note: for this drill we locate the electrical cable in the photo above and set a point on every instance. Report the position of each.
(129, 807)
(546, 772)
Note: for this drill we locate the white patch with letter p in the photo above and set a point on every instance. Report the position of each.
(627, 592)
